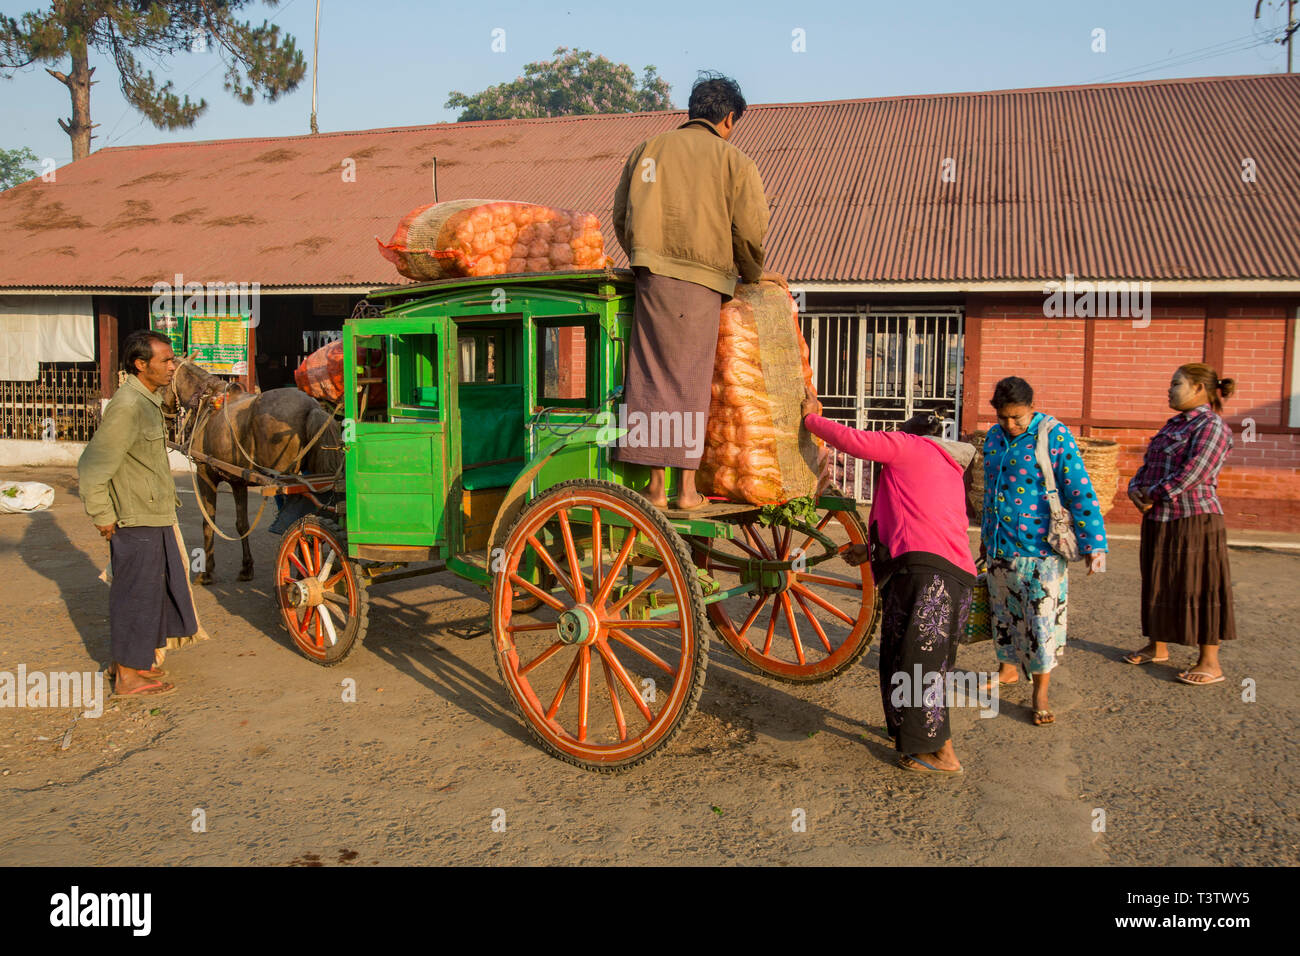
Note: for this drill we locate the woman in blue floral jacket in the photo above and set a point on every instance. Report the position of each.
(1027, 579)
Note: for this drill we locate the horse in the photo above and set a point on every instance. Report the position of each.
(249, 430)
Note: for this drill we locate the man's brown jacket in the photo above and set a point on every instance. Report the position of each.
(691, 206)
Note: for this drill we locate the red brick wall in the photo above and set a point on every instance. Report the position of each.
(1132, 366)
(1260, 484)
(1253, 354)
(1054, 367)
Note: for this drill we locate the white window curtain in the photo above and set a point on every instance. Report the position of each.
(43, 328)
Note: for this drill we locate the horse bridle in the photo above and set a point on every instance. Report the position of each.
(213, 393)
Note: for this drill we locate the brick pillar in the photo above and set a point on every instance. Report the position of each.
(1216, 333)
(970, 369)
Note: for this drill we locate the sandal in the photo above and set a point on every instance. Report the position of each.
(904, 764)
(1138, 657)
(1186, 676)
(1044, 717)
(155, 689)
(704, 503)
(154, 673)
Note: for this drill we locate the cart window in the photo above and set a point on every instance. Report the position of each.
(564, 355)
(372, 378)
(481, 356)
(415, 359)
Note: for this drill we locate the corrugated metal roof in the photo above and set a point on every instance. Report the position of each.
(1133, 180)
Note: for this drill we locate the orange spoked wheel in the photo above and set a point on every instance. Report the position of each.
(611, 664)
(801, 625)
(322, 595)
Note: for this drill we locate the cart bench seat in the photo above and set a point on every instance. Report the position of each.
(492, 476)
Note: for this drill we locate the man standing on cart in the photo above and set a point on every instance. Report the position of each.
(690, 214)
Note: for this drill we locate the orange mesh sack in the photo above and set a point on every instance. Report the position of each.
(479, 237)
(756, 449)
(321, 374)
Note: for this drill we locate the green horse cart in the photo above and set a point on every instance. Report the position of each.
(479, 425)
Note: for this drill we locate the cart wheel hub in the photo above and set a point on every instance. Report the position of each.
(769, 582)
(578, 625)
(305, 593)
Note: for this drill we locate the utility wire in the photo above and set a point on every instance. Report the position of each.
(1223, 48)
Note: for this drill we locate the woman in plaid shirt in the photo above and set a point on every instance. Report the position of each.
(1186, 585)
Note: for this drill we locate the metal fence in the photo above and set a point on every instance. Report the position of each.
(876, 368)
(62, 404)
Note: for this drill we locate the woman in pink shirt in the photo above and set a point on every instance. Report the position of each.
(921, 562)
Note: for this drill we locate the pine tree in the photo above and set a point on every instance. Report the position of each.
(257, 58)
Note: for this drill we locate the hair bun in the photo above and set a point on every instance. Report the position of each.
(1226, 386)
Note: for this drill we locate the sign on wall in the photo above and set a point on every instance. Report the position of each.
(172, 326)
(219, 343)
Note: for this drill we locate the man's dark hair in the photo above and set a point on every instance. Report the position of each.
(714, 96)
(139, 347)
(1011, 391)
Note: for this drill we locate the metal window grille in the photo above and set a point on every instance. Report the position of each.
(62, 404)
(875, 368)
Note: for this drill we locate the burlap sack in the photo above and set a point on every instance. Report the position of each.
(756, 450)
(481, 237)
(321, 374)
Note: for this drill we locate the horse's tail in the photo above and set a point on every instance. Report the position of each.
(326, 456)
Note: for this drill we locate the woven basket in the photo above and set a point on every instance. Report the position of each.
(979, 626)
(974, 478)
(1101, 458)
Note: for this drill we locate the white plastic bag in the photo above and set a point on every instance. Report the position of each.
(17, 497)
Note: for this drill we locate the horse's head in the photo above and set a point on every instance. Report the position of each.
(192, 385)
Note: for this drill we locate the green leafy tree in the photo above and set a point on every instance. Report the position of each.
(257, 58)
(576, 81)
(16, 166)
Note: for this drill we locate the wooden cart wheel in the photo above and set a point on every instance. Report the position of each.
(322, 594)
(600, 679)
(525, 602)
(810, 625)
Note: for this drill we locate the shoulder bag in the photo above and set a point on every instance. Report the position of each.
(1060, 535)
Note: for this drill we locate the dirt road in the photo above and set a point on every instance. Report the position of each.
(431, 755)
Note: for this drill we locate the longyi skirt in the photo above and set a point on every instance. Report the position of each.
(669, 368)
(1186, 584)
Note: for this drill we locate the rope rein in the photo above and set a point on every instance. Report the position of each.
(202, 412)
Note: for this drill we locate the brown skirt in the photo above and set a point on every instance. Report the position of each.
(669, 371)
(1186, 584)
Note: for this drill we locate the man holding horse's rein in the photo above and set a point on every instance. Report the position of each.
(127, 489)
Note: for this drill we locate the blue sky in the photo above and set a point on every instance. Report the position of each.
(391, 63)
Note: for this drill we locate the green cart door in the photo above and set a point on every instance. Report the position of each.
(396, 456)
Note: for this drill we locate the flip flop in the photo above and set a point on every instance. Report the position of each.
(155, 689)
(1044, 717)
(925, 767)
(1143, 658)
(154, 673)
(704, 503)
(1183, 677)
